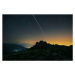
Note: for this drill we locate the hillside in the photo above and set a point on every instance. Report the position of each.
(43, 51)
(9, 48)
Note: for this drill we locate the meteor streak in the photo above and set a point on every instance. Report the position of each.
(39, 27)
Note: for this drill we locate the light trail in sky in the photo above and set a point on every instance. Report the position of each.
(39, 27)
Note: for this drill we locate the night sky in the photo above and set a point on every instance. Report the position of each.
(23, 29)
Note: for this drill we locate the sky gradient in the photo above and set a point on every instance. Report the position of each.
(24, 29)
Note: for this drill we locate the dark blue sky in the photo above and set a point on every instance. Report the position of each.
(24, 29)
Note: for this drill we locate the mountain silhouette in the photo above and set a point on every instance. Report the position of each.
(41, 45)
(9, 48)
(43, 51)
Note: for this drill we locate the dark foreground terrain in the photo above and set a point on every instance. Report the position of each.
(43, 51)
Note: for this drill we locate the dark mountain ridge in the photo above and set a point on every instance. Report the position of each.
(9, 48)
(43, 51)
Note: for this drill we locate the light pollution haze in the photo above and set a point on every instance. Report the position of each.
(58, 29)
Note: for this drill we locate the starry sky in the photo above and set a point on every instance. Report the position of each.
(24, 29)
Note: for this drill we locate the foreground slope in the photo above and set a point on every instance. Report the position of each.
(43, 51)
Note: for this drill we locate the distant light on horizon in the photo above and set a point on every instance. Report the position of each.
(24, 29)
(16, 50)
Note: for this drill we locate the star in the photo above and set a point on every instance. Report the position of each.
(64, 19)
(29, 23)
